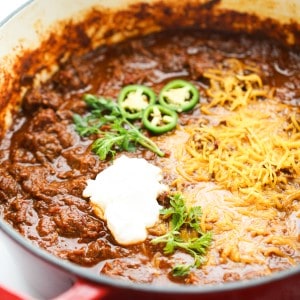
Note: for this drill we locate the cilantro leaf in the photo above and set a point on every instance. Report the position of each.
(119, 134)
(182, 220)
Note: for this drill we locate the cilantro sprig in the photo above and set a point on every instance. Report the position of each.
(116, 132)
(184, 220)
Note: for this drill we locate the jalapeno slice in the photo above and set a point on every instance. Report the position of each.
(133, 99)
(159, 119)
(179, 95)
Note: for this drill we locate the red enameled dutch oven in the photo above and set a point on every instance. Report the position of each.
(44, 30)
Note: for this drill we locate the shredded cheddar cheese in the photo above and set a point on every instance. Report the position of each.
(233, 85)
(248, 144)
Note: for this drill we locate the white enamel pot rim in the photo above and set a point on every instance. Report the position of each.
(101, 280)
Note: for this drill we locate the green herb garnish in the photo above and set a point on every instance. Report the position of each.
(117, 133)
(185, 234)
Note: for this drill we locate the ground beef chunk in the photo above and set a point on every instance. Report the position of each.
(42, 119)
(72, 222)
(22, 153)
(173, 60)
(70, 187)
(41, 97)
(81, 158)
(46, 138)
(25, 143)
(46, 229)
(48, 145)
(72, 105)
(37, 182)
(73, 186)
(20, 213)
(130, 269)
(72, 76)
(97, 251)
(8, 186)
(199, 63)
(46, 226)
(31, 178)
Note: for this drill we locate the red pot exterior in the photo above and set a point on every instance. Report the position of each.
(286, 289)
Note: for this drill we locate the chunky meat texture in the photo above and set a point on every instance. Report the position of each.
(35, 98)
(45, 164)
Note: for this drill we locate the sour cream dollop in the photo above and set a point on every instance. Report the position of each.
(125, 195)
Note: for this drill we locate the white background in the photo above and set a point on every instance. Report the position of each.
(8, 6)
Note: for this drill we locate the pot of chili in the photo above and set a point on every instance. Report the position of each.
(83, 83)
